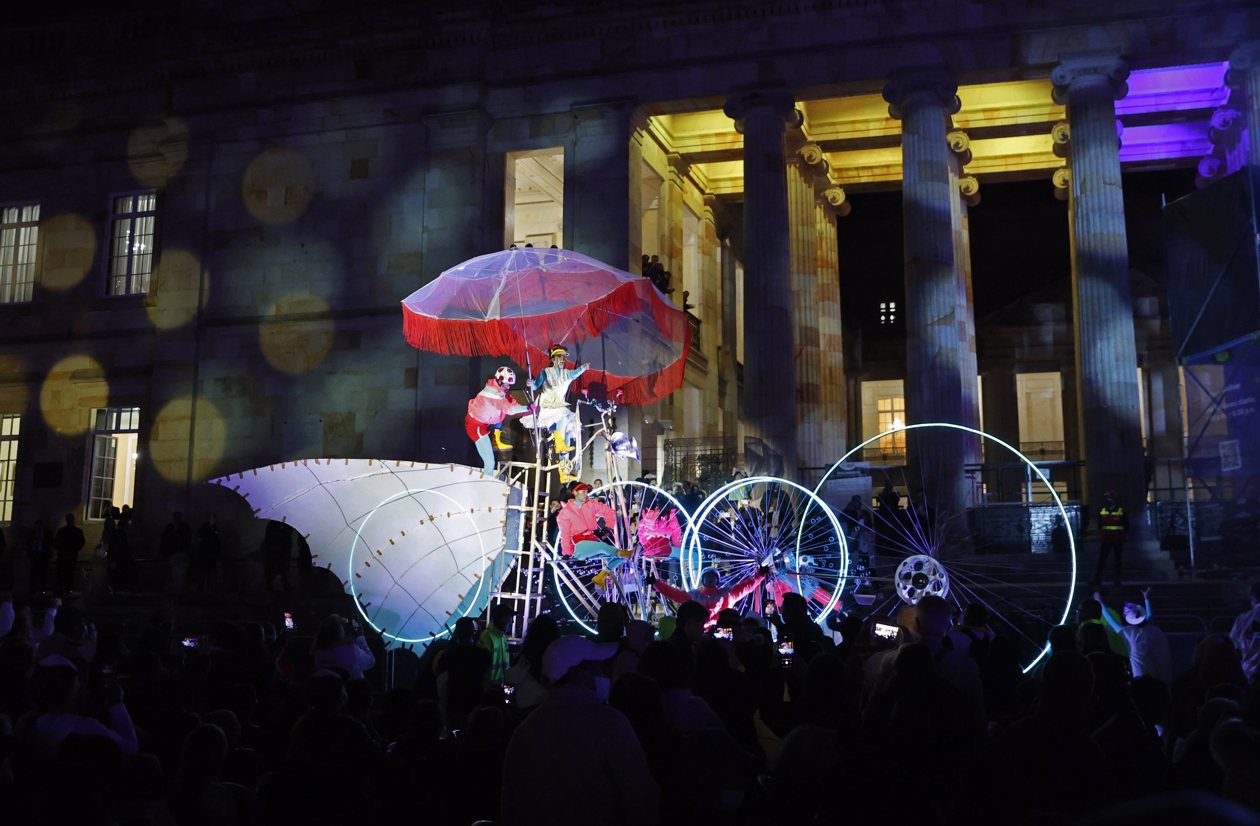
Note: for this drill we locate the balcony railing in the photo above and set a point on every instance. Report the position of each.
(1042, 451)
(693, 325)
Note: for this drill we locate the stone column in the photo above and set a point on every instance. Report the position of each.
(769, 382)
(1244, 73)
(670, 223)
(634, 186)
(598, 219)
(923, 100)
(708, 305)
(827, 207)
(1106, 355)
(967, 190)
(805, 336)
(729, 383)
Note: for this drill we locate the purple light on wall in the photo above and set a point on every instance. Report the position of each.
(1165, 140)
(1175, 88)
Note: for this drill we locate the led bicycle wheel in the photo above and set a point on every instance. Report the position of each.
(1007, 547)
(768, 523)
(647, 524)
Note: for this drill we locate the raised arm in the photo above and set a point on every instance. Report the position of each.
(674, 595)
(1108, 615)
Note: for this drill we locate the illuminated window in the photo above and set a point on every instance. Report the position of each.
(888, 312)
(10, 426)
(534, 198)
(19, 238)
(115, 446)
(891, 414)
(884, 411)
(131, 243)
(1040, 397)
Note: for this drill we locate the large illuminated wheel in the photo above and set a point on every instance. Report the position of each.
(767, 522)
(643, 545)
(1006, 545)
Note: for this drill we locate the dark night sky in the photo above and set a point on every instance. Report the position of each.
(1019, 242)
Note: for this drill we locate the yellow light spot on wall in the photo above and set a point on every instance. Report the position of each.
(172, 300)
(73, 386)
(297, 334)
(278, 186)
(168, 440)
(69, 251)
(157, 151)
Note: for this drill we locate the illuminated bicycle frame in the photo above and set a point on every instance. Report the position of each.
(1067, 606)
(691, 538)
(481, 580)
(558, 558)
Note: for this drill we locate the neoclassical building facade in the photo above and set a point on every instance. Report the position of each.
(211, 212)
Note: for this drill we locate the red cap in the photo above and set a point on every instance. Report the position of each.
(581, 486)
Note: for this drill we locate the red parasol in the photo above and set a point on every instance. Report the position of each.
(519, 302)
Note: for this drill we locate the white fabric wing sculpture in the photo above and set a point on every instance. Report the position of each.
(417, 545)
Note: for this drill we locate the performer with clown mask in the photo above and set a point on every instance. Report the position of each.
(486, 413)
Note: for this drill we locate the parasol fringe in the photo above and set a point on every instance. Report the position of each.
(524, 340)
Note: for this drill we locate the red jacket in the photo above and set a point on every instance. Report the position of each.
(715, 599)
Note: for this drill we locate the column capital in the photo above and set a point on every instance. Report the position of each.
(934, 83)
(709, 213)
(640, 121)
(960, 144)
(969, 189)
(812, 154)
(678, 167)
(1080, 69)
(1061, 138)
(1224, 122)
(835, 199)
(774, 102)
(1242, 60)
(1062, 180)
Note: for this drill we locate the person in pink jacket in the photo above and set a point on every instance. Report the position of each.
(585, 525)
(659, 533)
(487, 411)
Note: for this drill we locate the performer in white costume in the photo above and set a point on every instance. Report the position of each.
(552, 386)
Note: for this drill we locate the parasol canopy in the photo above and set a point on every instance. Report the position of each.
(518, 302)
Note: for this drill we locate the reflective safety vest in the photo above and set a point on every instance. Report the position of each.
(1111, 524)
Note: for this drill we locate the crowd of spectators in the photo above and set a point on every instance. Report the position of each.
(145, 724)
(205, 557)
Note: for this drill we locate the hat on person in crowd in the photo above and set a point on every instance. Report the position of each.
(570, 651)
(581, 486)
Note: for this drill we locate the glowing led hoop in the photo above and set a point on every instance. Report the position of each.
(691, 538)
(1067, 605)
(559, 559)
(481, 580)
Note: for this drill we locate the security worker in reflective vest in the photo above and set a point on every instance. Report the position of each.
(1113, 530)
